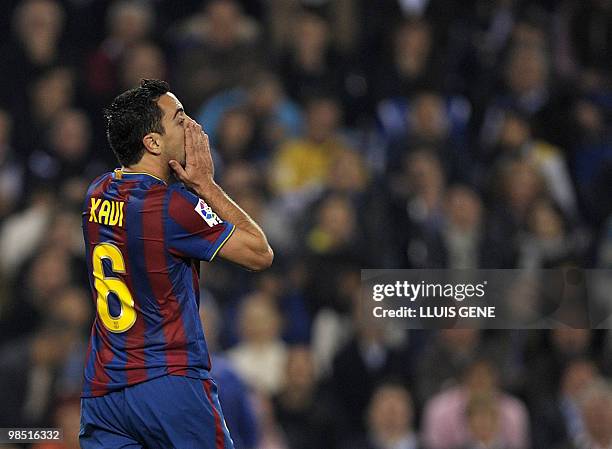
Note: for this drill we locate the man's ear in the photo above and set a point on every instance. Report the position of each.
(152, 143)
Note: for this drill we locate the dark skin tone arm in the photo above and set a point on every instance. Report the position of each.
(248, 246)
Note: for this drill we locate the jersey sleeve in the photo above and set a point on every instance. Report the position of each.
(194, 229)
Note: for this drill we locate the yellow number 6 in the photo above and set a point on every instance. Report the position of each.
(106, 285)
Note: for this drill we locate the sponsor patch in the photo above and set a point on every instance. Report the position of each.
(205, 211)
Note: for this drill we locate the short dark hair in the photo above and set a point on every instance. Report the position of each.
(131, 116)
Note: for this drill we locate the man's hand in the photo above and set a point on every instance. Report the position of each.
(199, 168)
(248, 246)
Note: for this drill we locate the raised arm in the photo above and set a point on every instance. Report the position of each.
(248, 245)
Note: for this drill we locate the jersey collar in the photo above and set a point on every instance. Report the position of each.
(119, 173)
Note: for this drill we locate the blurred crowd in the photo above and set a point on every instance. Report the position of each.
(359, 134)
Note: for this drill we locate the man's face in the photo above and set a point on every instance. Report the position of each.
(173, 140)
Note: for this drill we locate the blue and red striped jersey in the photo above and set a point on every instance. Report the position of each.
(144, 241)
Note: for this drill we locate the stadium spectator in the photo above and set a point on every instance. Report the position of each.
(445, 424)
(370, 356)
(553, 351)
(275, 117)
(516, 141)
(417, 210)
(592, 152)
(300, 166)
(432, 121)
(596, 412)
(66, 152)
(45, 275)
(305, 413)
(217, 50)
(555, 420)
(484, 424)
(52, 92)
(462, 230)
(518, 186)
(142, 60)
(349, 174)
(48, 95)
(547, 242)
(413, 65)
(128, 23)
(236, 135)
(530, 89)
(331, 256)
(390, 417)
(30, 374)
(450, 352)
(421, 120)
(309, 65)
(260, 356)
(38, 26)
(332, 326)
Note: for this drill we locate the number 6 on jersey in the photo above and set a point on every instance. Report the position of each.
(106, 285)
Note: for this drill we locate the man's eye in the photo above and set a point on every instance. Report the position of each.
(181, 122)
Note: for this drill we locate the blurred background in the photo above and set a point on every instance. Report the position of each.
(359, 134)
